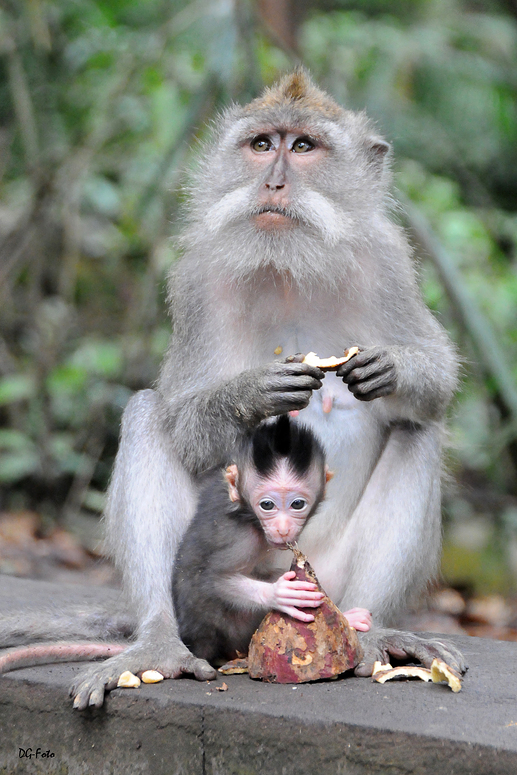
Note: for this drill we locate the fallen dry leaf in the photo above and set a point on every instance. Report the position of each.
(235, 666)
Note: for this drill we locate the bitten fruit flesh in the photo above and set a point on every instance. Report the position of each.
(332, 363)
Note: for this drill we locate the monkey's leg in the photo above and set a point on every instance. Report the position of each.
(394, 545)
(151, 499)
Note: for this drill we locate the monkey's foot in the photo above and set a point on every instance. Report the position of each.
(171, 661)
(381, 644)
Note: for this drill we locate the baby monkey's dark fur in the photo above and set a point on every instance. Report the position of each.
(226, 538)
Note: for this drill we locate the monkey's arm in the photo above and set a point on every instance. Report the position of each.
(284, 595)
(205, 423)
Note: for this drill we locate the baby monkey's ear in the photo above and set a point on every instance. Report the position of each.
(328, 476)
(232, 477)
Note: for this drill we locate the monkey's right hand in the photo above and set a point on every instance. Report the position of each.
(288, 596)
(171, 659)
(276, 388)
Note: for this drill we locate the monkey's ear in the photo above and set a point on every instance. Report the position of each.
(232, 477)
(376, 148)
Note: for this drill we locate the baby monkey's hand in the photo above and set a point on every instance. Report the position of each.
(359, 619)
(289, 596)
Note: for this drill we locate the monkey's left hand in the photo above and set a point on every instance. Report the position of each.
(371, 373)
(381, 644)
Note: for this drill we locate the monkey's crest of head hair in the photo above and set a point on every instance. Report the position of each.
(297, 90)
(282, 439)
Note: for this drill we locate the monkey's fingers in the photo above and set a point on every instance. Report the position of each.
(300, 601)
(312, 594)
(286, 402)
(288, 383)
(296, 358)
(296, 613)
(363, 357)
(371, 374)
(200, 669)
(367, 391)
(359, 625)
(309, 585)
(297, 368)
(376, 368)
(359, 618)
(371, 395)
(427, 650)
(380, 645)
(91, 693)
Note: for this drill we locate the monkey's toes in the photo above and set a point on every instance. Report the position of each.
(201, 670)
(380, 645)
(90, 691)
(86, 696)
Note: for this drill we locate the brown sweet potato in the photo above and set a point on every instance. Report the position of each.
(285, 650)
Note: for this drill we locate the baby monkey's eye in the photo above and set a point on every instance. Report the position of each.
(298, 504)
(266, 504)
(302, 145)
(261, 144)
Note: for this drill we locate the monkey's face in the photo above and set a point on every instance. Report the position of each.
(273, 186)
(282, 501)
(281, 161)
(290, 182)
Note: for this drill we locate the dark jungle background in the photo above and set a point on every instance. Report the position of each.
(100, 103)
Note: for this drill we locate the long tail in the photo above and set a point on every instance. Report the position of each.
(49, 653)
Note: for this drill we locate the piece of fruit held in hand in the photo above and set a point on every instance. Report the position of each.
(286, 650)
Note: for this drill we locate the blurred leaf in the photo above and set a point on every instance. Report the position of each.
(17, 465)
(67, 378)
(14, 440)
(16, 387)
(94, 500)
(98, 357)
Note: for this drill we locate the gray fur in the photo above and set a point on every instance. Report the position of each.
(236, 295)
(219, 542)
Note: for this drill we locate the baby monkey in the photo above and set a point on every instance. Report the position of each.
(222, 585)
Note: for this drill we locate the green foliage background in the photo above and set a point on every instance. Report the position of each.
(100, 102)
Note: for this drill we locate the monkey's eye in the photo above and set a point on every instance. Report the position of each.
(261, 144)
(266, 504)
(298, 504)
(302, 145)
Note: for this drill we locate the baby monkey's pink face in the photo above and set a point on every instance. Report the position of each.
(282, 501)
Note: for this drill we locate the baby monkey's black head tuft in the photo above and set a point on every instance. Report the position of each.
(284, 439)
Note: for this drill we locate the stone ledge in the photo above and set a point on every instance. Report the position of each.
(184, 727)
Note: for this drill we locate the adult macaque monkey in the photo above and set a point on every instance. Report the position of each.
(289, 248)
(222, 583)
